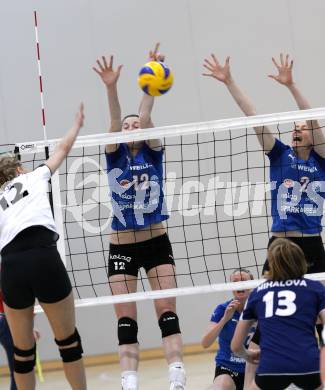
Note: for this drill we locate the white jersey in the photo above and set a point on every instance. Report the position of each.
(23, 203)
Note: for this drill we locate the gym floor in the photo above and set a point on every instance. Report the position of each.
(152, 374)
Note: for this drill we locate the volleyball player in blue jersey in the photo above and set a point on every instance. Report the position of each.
(297, 172)
(139, 237)
(286, 307)
(230, 369)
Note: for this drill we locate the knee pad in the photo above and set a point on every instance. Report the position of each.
(24, 366)
(127, 331)
(70, 354)
(169, 324)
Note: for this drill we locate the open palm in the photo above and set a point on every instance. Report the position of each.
(106, 71)
(217, 71)
(284, 75)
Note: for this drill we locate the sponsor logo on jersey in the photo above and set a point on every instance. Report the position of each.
(120, 257)
(305, 168)
(140, 167)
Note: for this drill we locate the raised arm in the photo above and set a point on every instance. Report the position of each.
(285, 77)
(110, 77)
(65, 145)
(215, 328)
(237, 343)
(147, 102)
(223, 74)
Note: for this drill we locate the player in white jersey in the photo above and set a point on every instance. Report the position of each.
(31, 266)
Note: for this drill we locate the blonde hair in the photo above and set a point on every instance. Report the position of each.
(286, 260)
(8, 168)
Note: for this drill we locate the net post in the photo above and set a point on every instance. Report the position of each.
(57, 211)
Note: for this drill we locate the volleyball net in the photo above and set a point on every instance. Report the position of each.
(217, 194)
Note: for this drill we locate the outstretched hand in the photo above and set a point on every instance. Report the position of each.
(284, 75)
(154, 54)
(106, 71)
(217, 71)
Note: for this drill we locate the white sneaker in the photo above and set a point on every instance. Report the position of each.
(177, 376)
(176, 386)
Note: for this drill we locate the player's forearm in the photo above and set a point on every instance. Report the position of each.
(114, 109)
(242, 100)
(213, 333)
(67, 141)
(145, 110)
(301, 101)
(303, 104)
(263, 133)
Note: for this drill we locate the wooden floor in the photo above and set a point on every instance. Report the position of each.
(152, 374)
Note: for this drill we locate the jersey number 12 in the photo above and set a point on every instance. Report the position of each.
(285, 305)
(20, 194)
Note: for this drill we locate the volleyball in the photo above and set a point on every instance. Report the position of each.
(155, 78)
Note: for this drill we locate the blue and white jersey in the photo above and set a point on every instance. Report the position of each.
(136, 186)
(297, 190)
(225, 357)
(287, 312)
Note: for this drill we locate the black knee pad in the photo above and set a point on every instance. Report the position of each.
(127, 331)
(24, 366)
(169, 324)
(70, 354)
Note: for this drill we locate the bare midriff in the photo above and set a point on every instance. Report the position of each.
(133, 236)
(294, 233)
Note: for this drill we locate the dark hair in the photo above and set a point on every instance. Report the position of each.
(130, 116)
(243, 270)
(286, 260)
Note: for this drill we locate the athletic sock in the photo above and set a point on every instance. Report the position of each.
(129, 380)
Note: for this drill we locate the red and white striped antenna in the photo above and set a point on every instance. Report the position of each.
(40, 83)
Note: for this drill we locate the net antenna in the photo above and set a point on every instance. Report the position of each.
(55, 202)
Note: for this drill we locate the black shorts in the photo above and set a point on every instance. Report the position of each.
(280, 382)
(129, 258)
(313, 248)
(237, 377)
(31, 267)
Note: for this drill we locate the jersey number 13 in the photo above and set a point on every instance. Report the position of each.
(283, 305)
